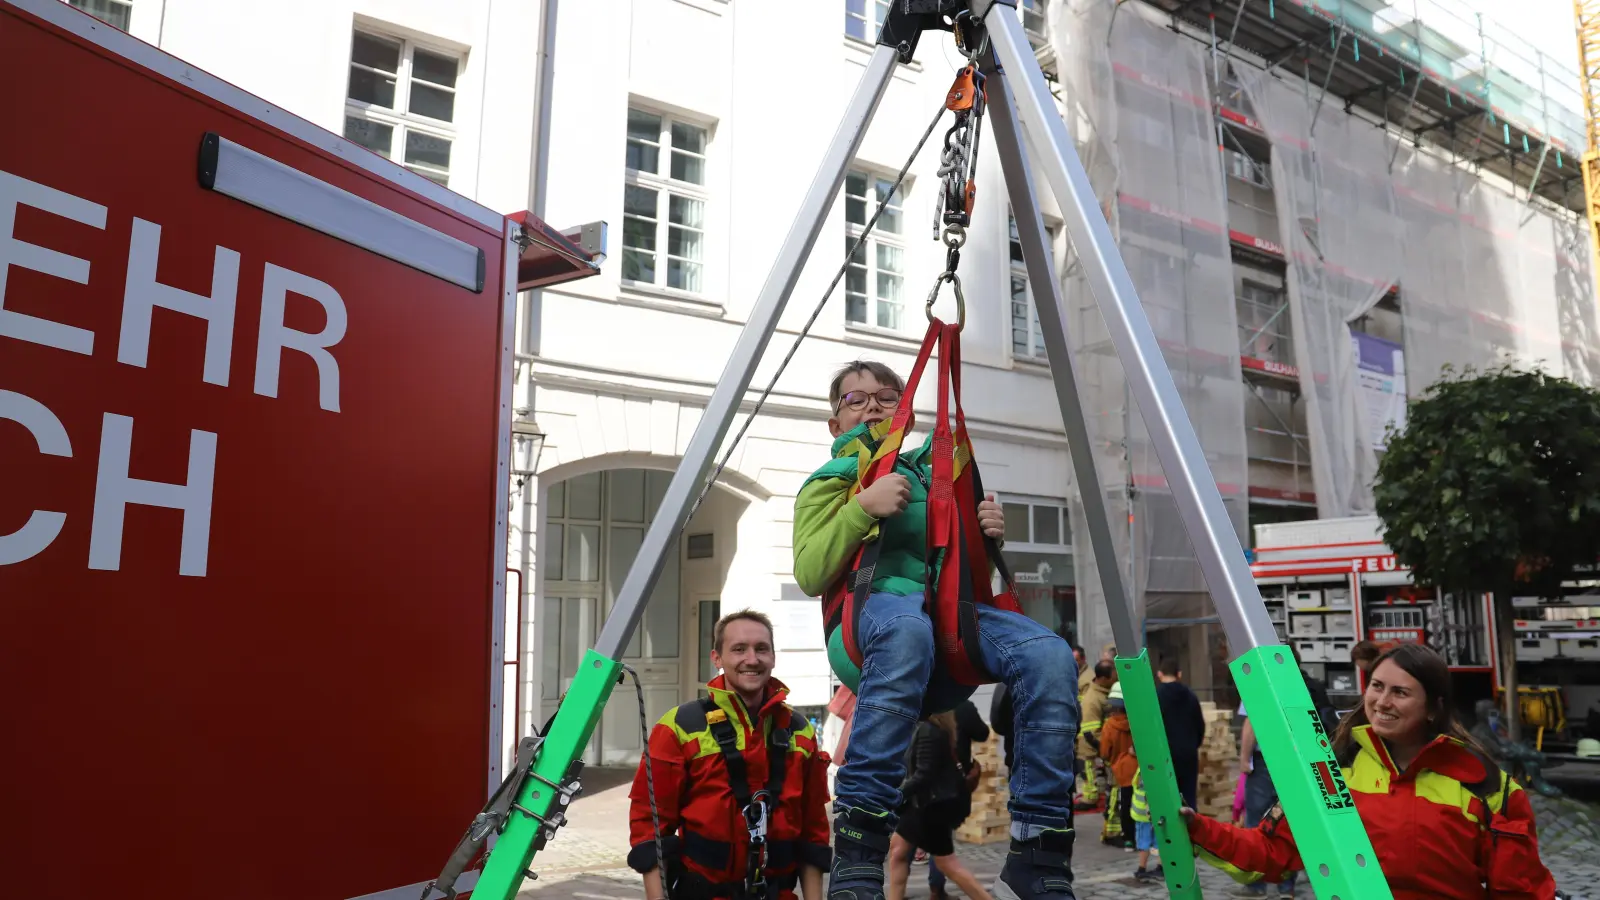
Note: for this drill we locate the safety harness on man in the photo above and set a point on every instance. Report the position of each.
(957, 548)
(756, 807)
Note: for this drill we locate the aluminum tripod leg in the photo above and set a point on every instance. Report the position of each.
(708, 435)
(599, 670)
(1331, 839)
(1133, 664)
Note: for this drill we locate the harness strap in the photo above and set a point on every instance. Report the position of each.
(756, 808)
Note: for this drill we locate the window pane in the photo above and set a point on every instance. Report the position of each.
(639, 266)
(688, 168)
(619, 558)
(1019, 291)
(424, 149)
(686, 211)
(638, 234)
(688, 137)
(888, 313)
(855, 280)
(644, 126)
(555, 500)
(582, 561)
(855, 210)
(550, 558)
(858, 255)
(116, 13)
(550, 666)
(889, 287)
(375, 52)
(855, 184)
(639, 201)
(583, 497)
(1017, 522)
(432, 102)
(683, 275)
(434, 68)
(644, 136)
(626, 497)
(890, 258)
(1047, 524)
(372, 87)
(855, 308)
(374, 136)
(685, 243)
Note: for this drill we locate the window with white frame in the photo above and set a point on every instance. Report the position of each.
(875, 281)
(116, 13)
(1038, 549)
(401, 102)
(1246, 169)
(864, 18)
(1026, 340)
(664, 202)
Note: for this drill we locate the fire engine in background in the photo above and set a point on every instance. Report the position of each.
(254, 438)
(1330, 583)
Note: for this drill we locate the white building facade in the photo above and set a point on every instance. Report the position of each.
(692, 127)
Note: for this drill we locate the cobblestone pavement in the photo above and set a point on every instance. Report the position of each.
(587, 860)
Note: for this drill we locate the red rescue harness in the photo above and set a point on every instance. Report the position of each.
(958, 551)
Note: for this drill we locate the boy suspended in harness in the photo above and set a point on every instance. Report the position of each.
(900, 542)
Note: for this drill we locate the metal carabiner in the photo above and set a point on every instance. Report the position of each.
(961, 298)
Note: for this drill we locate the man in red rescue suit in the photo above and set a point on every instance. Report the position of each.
(741, 786)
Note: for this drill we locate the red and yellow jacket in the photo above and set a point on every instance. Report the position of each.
(1442, 829)
(701, 825)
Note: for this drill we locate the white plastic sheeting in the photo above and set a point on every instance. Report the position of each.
(1336, 210)
(1139, 105)
(1490, 279)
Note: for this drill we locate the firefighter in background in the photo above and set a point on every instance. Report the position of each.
(741, 786)
(1093, 704)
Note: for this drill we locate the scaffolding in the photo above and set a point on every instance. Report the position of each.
(1374, 157)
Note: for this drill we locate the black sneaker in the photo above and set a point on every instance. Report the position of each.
(860, 844)
(1147, 875)
(1038, 868)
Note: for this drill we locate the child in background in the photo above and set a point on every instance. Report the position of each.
(1144, 833)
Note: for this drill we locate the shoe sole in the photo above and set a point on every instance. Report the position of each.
(1003, 891)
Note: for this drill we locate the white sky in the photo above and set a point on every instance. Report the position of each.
(1547, 24)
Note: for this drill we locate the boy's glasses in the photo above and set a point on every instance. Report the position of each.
(887, 398)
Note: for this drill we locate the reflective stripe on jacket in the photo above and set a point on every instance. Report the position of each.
(1141, 803)
(694, 800)
(1442, 830)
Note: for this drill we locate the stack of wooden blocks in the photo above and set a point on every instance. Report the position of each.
(1219, 764)
(990, 820)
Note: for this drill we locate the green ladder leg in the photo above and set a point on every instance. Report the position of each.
(1155, 769)
(1328, 832)
(569, 733)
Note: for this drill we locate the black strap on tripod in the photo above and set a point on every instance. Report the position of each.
(756, 807)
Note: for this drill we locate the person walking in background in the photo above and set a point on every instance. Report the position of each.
(936, 800)
(836, 731)
(1186, 726)
(969, 730)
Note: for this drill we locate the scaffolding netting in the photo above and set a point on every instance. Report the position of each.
(1137, 102)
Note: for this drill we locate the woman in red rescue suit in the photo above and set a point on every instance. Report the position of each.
(1445, 822)
(711, 760)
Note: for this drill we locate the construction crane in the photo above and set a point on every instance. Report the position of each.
(1587, 13)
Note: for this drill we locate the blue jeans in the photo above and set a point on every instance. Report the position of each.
(896, 639)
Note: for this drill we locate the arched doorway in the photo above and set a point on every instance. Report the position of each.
(592, 526)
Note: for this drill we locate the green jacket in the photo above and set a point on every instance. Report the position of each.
(829, 525)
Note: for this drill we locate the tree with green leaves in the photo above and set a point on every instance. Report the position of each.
(1494, 486)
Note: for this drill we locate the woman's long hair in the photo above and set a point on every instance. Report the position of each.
(1430, 670)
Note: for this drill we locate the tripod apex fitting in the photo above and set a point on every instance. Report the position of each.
(908, 19)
